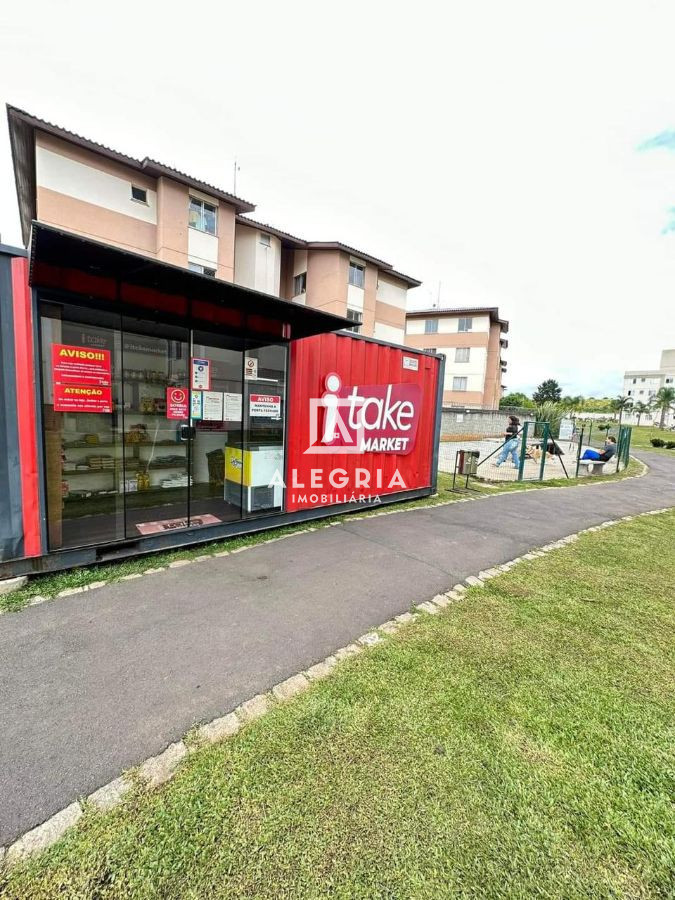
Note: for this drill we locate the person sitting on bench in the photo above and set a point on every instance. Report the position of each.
(607, 453)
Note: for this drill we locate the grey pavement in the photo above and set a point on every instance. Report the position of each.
(95, 683)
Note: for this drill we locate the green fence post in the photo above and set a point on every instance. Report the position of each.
(523, 450)
(625, 445)
(619, 448)
(581, 443)
(544, 450)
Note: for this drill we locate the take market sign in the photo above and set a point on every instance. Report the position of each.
(376, 418)
(82, 379)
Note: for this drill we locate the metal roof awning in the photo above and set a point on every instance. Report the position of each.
(63, 261)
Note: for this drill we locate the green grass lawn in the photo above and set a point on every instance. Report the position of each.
(50, 585)
(642, 435)
(518, 744)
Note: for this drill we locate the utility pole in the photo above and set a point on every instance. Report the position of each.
(236, 169)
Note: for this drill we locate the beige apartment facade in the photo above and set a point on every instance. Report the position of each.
(472, 341)
(74, 184)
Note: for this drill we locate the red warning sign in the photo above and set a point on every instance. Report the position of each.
(177, 403)
(82, 379)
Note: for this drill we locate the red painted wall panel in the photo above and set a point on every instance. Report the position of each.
(358, 363)
(25, 392)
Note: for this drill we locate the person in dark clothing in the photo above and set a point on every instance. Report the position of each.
(510, 448)
(607, 453)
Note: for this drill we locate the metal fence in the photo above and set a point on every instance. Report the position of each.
(539, 451)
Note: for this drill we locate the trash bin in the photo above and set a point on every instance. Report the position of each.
(468, 462)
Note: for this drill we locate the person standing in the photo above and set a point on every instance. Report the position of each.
(510, 448)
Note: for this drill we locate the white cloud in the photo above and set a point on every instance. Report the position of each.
(489, 146)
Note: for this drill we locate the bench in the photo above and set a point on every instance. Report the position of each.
(594, 466)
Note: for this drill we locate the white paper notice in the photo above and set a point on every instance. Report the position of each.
(212, 406)
(267, 406)
(233, 408)
(201, 374)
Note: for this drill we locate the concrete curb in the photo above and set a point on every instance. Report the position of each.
(344, 518)
(157, 770)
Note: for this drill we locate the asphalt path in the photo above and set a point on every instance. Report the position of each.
(93, 684)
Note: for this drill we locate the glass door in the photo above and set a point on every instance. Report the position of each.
(155, 363)
(264, 428)
(216, 406)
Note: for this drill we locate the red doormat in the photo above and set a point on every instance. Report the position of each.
(172, 524)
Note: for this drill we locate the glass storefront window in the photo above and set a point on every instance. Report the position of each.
(81, 392)
(138, 442)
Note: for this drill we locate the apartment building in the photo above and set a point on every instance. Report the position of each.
(472, 341)
(144, 206)
(642, 385)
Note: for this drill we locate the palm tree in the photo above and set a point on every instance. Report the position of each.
(621, 403)
(663, 401)
(640, 409)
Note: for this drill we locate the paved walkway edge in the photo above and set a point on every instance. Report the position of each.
(157, 770)
(344, 517)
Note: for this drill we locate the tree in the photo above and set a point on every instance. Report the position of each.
(640, 409)
(620, 404)
(594, 404)
(515, 399)
(572, 403)
(553, 413)
(663, 401)
(548, 392)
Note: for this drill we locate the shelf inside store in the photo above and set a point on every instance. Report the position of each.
(129, 467)
(81, 445)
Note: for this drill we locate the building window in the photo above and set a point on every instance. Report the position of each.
(635, 381)
(203, 270)
(431, 326)
(357, 274)
(430, 350)
(355, 316)
(643, 380)
(139, 194)
(300, 284)
(669, 380)
(459, 384)
(265, 239)
(465, 323)
(462, 354)
(629, 393)
(202, 216)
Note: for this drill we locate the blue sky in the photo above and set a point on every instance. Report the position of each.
(490, 149)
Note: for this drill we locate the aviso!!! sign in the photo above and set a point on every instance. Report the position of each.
(82, 379)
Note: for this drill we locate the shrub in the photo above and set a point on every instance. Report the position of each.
(658, 442)
(670, 445)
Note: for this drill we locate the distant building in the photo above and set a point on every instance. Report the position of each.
(472, 341)
(642, 385)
